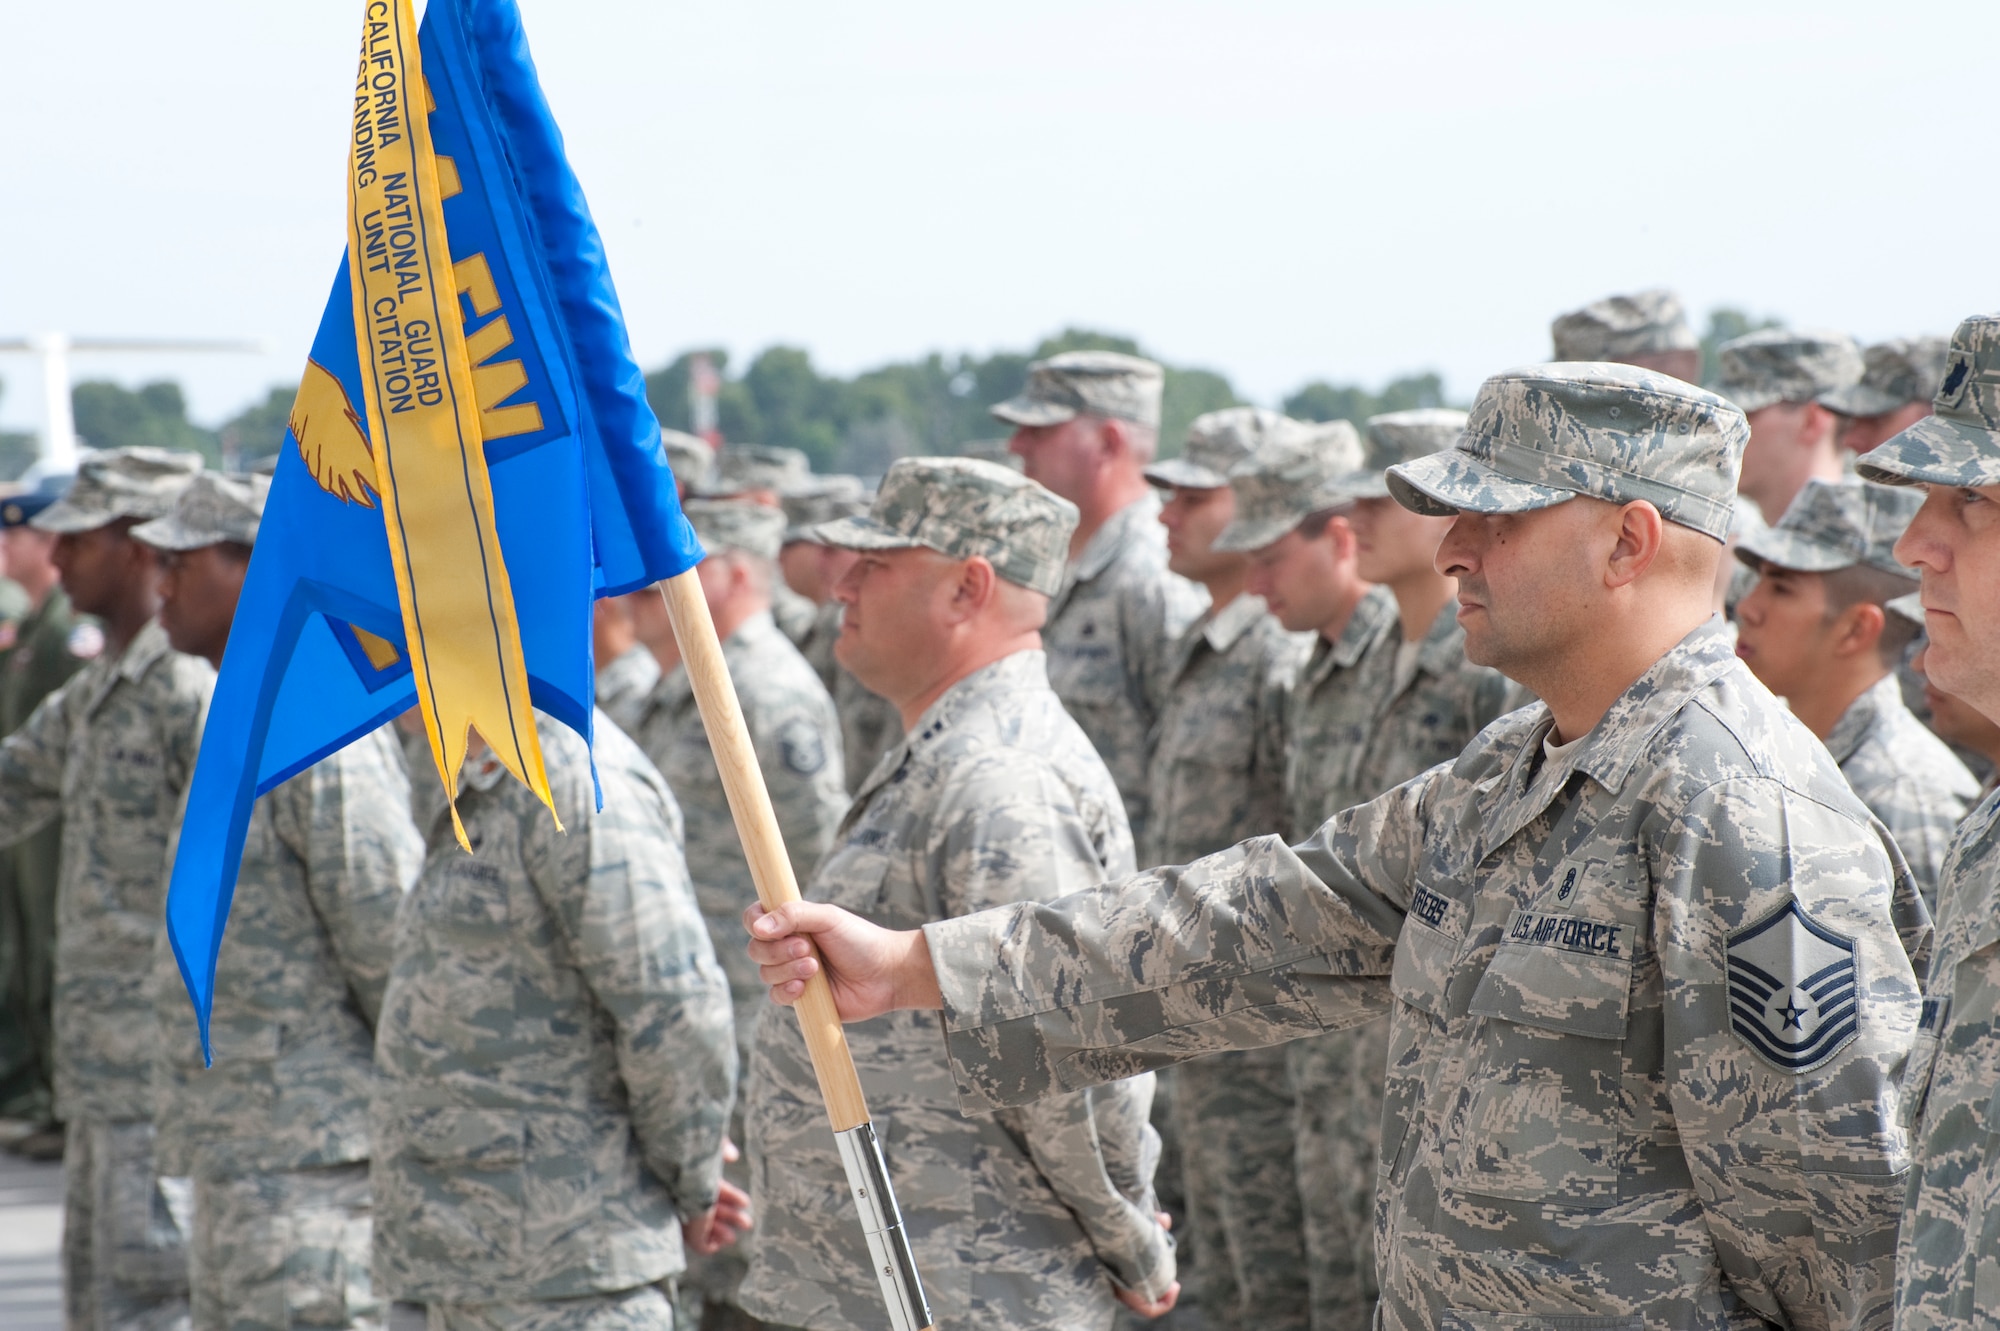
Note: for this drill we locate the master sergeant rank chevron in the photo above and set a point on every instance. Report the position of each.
(1792, 991)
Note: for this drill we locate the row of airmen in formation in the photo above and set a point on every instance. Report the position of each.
(1618, 1000)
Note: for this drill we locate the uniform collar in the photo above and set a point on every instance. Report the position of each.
(148, 645)
(1619, 740)
(1877, 701)
(1221, 628)
(1374, 615)
(1022, 670)
(1119, 530)
(758, 628)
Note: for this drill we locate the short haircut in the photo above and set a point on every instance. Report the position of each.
(1313, 525)
(1862, 584)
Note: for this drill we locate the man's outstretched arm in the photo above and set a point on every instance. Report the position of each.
(1258, 944)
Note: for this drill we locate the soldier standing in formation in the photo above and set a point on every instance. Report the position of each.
(812, 568)
(111, 752)
(1778, 378)
(1030, 1219)
(274, 1135)
(50, 644)
(761, 474)
(1948, 1256)
(1817, 631)
(1649, 960)
(1085, 426)
(1216, 772)
(1898, 380)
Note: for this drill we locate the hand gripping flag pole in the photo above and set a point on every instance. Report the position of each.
(771, 869)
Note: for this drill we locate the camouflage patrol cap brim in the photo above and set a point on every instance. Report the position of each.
(961, 508)
(734, 524)
(1894, 374)
(1086, 383)
(211, 509)
(1774, 365)
(1833, 525)
(1218, 441)
(1297, 476)
(1960, 443)
(120, 483)
(1539, 436)
(1179, 472)
(824, 499)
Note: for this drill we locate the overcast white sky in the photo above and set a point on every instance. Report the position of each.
(1280, 191)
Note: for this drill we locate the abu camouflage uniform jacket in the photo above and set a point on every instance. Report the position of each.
(111, 752)
(298, 983)
(1907, 776)
(1650, 1003)
(1217, 772)
(1109, 639)
(1330, 708)
(1948, 1261)
(555, 1055)
(624, 684)
(1017, 1217)
(797, 739)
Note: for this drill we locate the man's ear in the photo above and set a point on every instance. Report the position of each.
(1859, 629)
(1114, 439)
(977, 585)
(1641, 534)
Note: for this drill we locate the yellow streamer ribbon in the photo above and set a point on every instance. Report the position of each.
(423, 422)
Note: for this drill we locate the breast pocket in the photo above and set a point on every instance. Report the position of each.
(1543, 1110)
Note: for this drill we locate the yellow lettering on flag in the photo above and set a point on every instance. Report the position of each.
(424, 421)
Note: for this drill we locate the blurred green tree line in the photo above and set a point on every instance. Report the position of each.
(861, 424)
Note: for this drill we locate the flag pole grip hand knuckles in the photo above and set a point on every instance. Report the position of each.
(771, 870)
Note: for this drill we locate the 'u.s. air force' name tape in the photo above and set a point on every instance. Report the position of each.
(1793, 996)
(1571, 933)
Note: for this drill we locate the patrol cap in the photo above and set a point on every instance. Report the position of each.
(1643, 323)
(119, 483)
(17, 510)
(210, 509)
(1960, 443)
(1776, 365)
(1893, 374)
(1281, 485)
(822, 499)
(962, 507)
(1396, 437)
(1835, 525)
(1087, 383)
(691, 457)
(1217, 441)
(737, 524)
(743, 467)
(1909, 607)
(1544, 434)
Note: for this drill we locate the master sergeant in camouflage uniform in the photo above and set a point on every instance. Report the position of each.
(275, 1133)
(555, 1053)
(112, 752)
(1650, 961)
(1948, 1259)
(1023, 1220)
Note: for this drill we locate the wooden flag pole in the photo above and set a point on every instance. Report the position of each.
(771, 870)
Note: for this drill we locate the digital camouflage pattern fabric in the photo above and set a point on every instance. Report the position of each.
(281, 1249)
(1834, 525)
(690, 457)
(1907, 776)
(742, 468)
(1366, 727)
(1774, 365)
(624, 683)
(1948, 1255)
(961, 507)
(1109, 635)
(124, 1249)
(1087, 383)
(1957, 444)
(1291, 479)
(1217, 772)
(556, 1054)
(119, 483)
(1582, 1120)
(1893, 374)
(1219, 440)
(209, 509)
(797, 740)
(1619, 326)
(1544, 434)
(1020, 1220)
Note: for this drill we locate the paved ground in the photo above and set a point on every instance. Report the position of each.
(30, 1237)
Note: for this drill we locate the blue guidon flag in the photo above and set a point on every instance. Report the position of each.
(1792, 991)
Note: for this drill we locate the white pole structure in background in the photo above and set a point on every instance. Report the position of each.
(57, 455)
